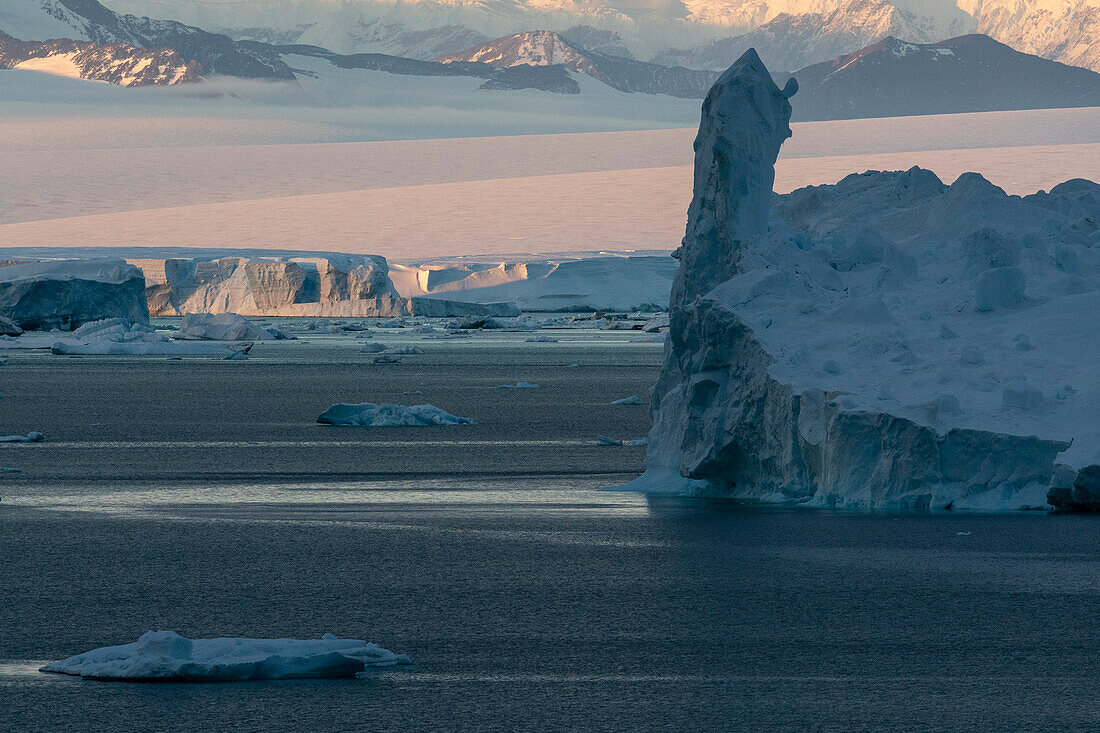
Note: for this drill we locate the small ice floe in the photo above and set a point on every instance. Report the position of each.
(9, 327)
(604, 440)
(518, 385)
(369, 414)
(5, 469)
(405, 350)
(386, 359)
(3, 361)
(571, 366)
(413, 392)
(541, 340)
(477, 323)
(372, 348)
(963, 534)
(31, 437)
(241, 355)
(168, 657)
(632, 400)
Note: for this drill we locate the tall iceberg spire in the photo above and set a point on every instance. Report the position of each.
(745, 120)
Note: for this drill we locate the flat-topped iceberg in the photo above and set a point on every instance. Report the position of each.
(606, 282)
(369, 414)
(888, 341)
(165, 656)
(66, 294)
(325, 285)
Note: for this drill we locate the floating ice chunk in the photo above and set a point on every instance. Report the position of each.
(405, 350)
(604, 440)
(541, 340)
(370, 414)
(220, 327)
(632, 400)
(30, 437)
(237, 356)
(5, 469)
(478, 322)
(8, 327)
(372, 348)
(518, 385)
(167, 656)
(386, 359)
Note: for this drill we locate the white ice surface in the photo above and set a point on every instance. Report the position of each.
(168, 657)
(317, 167)
(368, 414)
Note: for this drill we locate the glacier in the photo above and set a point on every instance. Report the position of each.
(165, 656)
(889, 341)
(66, 294)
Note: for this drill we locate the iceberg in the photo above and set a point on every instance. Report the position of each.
(66, 294)
(322, 285)
(221, 327)
(369, 414)
(889, 341)
(601, 282)
(165, 656)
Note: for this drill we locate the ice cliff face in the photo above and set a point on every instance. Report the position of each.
(66, 294)
(326, 286)
(889, 341)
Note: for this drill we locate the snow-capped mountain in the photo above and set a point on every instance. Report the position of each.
(971, 73)
(1063, 30)
(546, 48)
(89, 20)
(117, 63)
(791, 41)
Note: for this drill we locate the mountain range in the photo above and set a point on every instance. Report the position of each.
(788, 34)
(887, 78)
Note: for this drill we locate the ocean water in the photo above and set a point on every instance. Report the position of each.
(207, 502)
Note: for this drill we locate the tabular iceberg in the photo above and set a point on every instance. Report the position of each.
(328, 285)
(66, 294)
(165, 656)
(888, 341)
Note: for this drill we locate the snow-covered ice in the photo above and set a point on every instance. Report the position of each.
(369, 414)
(165, 656)
(887, 341)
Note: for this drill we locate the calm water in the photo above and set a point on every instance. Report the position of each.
(527, 598)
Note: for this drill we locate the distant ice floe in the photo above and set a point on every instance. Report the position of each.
(221, 327)
(118, 337)
(369, 414)
(31, 437)
(605, 440)
(518, 385)
(632, 400)
(168, 657)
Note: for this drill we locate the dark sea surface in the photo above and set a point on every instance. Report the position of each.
(201, 497)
